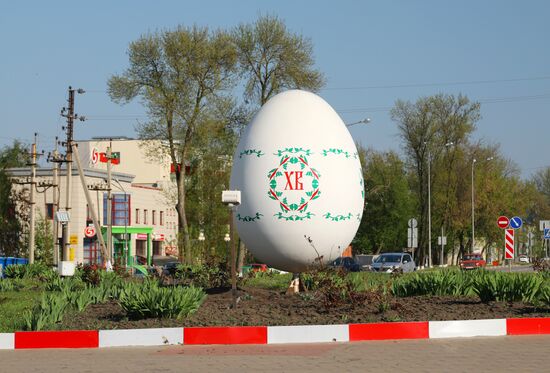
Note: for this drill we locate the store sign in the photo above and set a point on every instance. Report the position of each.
(141, 236)
(94, 158)
(158, 237)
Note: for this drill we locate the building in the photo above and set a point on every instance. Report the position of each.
(143, 215)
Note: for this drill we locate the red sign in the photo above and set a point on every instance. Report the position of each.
(115, 158)
(89, 231)
(158, 237)
(509, 244)
(141, 236)
(503, 222)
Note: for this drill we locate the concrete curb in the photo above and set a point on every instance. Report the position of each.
(274, 334)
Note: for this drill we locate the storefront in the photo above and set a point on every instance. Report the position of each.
(123, 237)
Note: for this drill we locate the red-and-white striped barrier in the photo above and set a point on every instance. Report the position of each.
(509, 244)
(274, 334)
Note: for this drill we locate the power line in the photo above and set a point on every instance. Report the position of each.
(495, 100)
(414, 85)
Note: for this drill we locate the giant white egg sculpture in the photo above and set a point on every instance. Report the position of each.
(301, 183)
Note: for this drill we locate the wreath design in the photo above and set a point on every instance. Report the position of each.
(293, 184)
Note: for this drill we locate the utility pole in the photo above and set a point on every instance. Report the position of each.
(55, 201)
(32, 201)
(109, 203)
(104, 254)
(71, 116)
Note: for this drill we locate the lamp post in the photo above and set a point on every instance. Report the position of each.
(201, 239)
(474, 161)
(363, 121)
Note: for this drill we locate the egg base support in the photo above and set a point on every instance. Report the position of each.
(274, 334)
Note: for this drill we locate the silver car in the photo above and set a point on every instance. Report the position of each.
(391, 262)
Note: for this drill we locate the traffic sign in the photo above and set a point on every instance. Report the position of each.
(412, 223)
(516, 222)
(89, 231)
(440, 239)
(544, 224)
(509, 244)
(412, 237)
(503, 222)
(546, 233)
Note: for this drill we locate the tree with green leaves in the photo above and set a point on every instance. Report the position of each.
(181, 77)
(389, 203)
(13, 215)
(426, 127)
(272, 59)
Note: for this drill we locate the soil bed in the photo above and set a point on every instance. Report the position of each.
(262, 307)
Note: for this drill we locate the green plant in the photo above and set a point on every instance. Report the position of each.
(47, 312)
(149, 300)
(206, 276)
(15, 271)
(507, 287)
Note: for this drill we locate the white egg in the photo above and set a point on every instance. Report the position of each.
(301, 183)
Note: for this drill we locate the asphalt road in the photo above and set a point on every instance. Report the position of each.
(488, 354)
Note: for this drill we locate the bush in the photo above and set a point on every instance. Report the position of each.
(205, 276)
(149, 300)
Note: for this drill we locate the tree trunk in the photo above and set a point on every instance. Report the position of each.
(242, 255)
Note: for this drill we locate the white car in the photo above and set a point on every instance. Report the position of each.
(523, 259)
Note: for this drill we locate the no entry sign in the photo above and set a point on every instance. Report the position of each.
(509, 244)
(503, 222)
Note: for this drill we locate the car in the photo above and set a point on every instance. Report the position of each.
(523, 259)
(393, 262)
(346, 263)
(472, 261)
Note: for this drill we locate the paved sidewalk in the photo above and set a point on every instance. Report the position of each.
(488, 354)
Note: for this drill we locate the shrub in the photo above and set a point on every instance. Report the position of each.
(203, 275)
(34, 270)
(149, 300)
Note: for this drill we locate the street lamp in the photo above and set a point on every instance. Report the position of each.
(363, 121)
(474, 161)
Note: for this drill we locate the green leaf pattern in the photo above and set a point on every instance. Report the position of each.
(339, 217)
(258, 153)
(249, 218)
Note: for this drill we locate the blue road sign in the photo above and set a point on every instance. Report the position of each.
(546, 233)
(516, 222)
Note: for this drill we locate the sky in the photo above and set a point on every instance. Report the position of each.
(371, 52)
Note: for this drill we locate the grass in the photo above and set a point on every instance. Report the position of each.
(14, 303)
(269, 281)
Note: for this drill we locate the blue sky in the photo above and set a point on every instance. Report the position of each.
(372, 52)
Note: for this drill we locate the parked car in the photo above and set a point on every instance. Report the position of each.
(393, 262)
(523, 259)
(347, 263)
(472, 261)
